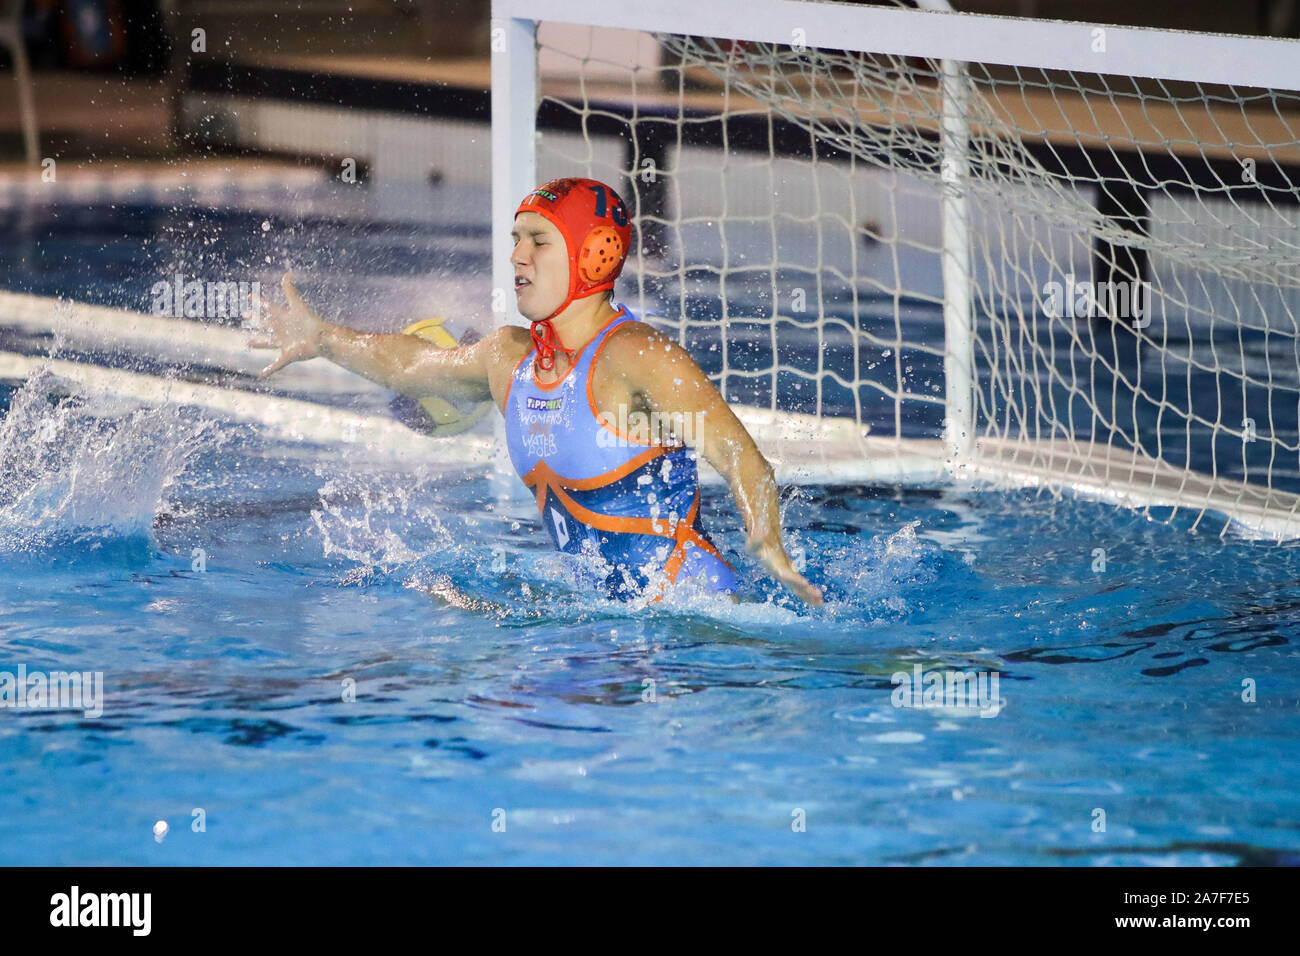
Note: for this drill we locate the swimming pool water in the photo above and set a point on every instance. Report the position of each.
(487, 690)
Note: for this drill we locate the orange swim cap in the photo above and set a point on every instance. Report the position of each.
(594, 222)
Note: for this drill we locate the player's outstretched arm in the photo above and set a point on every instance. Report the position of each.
(404, 363)
(672, 384)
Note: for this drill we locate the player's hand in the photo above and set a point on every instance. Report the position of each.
(295, 329)
(778, 564)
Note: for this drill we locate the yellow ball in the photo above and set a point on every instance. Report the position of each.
(446, 418)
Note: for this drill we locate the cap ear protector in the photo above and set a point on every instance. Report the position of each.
(602, 255)
(593, 220)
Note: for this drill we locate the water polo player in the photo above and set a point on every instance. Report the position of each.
(624, 501)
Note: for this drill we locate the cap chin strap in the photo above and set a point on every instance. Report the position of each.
(547, 344)
(545, 339)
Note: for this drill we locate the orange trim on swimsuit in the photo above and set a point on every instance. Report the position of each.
(686, 533)
(682, 535)
(543, 477)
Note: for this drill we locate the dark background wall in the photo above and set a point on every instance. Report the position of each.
(129, 34)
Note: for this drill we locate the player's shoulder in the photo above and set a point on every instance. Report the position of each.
(643, 356)
(638, 341)
(508, 343)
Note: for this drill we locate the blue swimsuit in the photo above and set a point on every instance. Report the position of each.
(632, 506)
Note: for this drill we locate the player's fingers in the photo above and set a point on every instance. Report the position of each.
(810, 592)
(800, 585)
(796, 582)
(784, 571)
(290, 293)
(275, 366)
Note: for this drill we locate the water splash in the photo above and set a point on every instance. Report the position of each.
(87, 466)
(380, 525)
(395, 528)
(550, 588)
(879, 578)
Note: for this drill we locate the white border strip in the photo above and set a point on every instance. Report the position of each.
(802, 450)
(177, 341)
(289, 418)
(975, 38)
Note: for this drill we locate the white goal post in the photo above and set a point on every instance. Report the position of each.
(1044, 254)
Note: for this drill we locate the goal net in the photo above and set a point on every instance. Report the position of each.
(904, 244)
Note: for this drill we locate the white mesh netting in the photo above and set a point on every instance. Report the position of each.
(1133, 271)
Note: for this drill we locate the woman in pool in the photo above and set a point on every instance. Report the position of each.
(608, 446)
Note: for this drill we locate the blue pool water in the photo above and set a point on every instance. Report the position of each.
(323, 657)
